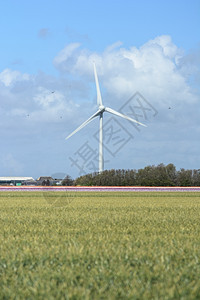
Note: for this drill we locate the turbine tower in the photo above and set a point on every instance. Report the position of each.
(100, 111)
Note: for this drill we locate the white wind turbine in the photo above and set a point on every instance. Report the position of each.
(100, 111)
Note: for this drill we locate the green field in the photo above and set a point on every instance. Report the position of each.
(106, 245)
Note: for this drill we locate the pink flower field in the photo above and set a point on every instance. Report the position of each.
(100, 189)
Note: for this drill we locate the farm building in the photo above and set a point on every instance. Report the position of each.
(16, 180)
(47, 180)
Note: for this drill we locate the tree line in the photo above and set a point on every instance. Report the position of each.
(159, 175)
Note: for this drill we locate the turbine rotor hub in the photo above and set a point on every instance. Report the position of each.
(102, 108)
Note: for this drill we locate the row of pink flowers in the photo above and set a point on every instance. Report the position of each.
(101, 188)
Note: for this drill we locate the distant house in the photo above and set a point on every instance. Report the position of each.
(16, 180)
(30, 182)
(45, 180)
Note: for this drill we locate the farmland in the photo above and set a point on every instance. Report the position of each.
(99, 245)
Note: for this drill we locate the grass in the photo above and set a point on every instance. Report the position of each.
(108, 245)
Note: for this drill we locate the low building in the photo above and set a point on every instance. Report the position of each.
(48, 180)
(15, 180)
(45, 180)
(30, 182)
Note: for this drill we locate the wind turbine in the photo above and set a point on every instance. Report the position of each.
(100, 111)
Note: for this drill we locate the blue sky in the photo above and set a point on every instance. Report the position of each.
(150, 47)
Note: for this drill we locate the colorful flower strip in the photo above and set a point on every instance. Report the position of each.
(100, 189)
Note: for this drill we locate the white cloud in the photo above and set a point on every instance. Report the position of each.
(9, 77)
(156, 70)
(165, 42)
(66, 53)
(153, 69)
(45, 98)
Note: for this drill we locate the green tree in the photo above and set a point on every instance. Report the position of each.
(67, 181)
(196, 177)
(172, 174)
(184, 177)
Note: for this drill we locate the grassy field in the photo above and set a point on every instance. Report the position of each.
(106, 245)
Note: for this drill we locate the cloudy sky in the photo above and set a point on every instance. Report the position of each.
(147, 55)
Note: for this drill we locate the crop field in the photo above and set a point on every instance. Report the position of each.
(99, 245)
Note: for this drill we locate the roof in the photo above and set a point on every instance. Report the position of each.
(44, 178)
(15, 178)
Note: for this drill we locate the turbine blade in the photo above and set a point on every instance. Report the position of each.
(99, 99)
(84, 124)
(114, 112)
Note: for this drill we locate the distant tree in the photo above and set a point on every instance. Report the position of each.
(184, 177)
(105, 178)
(67, 181)
(144, 177)
(131, 177)
(196, 178)
(86, 180)
(172, 174)
(166, 175)
(159, 175)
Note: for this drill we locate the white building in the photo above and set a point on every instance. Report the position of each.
(15, 180)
